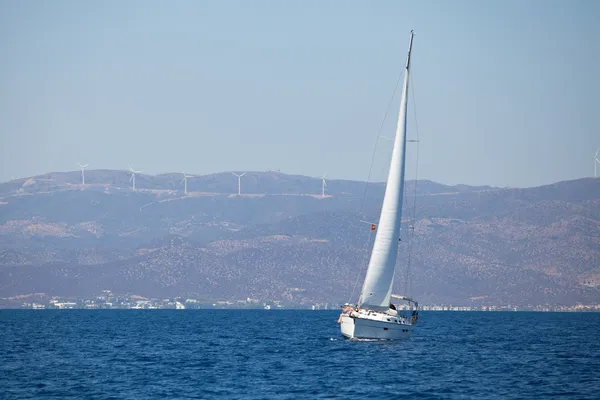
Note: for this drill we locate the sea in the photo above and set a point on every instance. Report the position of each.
(294, 354)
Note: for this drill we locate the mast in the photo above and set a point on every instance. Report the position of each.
(377, 288)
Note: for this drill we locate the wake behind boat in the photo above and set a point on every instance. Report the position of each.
(375, 317)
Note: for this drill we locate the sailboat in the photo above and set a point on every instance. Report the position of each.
(374, 316)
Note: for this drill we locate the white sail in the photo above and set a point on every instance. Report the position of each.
(377, 288)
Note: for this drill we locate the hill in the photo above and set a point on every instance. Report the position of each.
(282, 240)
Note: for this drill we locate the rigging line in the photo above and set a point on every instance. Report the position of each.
(407, 285)
(387, 110)
(364, 262)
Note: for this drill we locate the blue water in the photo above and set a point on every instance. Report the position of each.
(202, 354)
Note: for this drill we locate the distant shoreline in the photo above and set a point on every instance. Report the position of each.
(286, 309)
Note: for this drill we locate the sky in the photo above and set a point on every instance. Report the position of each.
(503, 93)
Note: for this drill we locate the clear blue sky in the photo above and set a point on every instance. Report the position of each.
(507, 92)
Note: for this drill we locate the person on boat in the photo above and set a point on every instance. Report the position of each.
(415, 317)
(392, 306)
(345, 311)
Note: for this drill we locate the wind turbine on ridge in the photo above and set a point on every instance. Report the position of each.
(184, 181)
(83, 167)
(596, 161)
(239, 182)
(132, 179)
(323, 184)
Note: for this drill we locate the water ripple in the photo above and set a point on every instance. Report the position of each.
(75, 354)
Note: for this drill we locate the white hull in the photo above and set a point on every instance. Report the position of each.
(374, 326)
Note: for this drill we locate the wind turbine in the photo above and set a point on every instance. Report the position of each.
(239, 181)
(323, 184)
(184, 181)
(596, 160)
(83, 167)
(132, 179)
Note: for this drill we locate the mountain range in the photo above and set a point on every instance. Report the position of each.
(282, 240)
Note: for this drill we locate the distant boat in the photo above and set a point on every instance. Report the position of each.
(375, 317)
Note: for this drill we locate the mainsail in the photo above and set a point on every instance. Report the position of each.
(377, 288)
